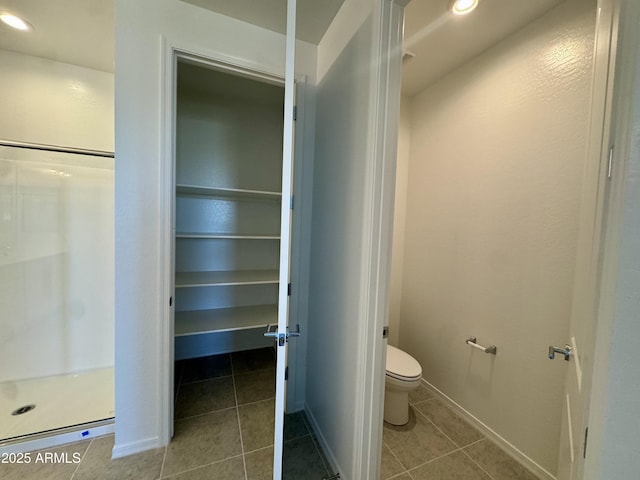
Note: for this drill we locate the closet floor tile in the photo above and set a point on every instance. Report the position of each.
(257, 424)
(253, 360)
(205, 397)
(232, 469)
(201, 440)
(204, 368)
(260, 464)
(256, 386)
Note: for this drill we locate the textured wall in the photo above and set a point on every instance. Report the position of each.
(399, 220)
(497, 154)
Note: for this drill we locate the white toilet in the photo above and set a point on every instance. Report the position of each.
(403, 375)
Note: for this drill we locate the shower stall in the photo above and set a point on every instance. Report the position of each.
(56, 290)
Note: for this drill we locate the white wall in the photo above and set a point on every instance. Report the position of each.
(56, 267)
(55, 103)
(497, 154)
(399, 220)
(142, 303)
(358, 67)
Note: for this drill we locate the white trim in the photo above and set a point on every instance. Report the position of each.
(61, 439)
(378, 222)
(331, 458)
(132, 448)
(492, 435)
(626, 65)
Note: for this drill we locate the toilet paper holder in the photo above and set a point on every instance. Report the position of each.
(473, 341)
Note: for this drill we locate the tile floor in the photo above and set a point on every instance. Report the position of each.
(223, 430)
(437, 444)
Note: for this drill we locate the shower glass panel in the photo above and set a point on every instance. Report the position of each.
(56, 290)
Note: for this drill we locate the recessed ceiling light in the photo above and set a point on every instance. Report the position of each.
(462, 7)
(15, 22)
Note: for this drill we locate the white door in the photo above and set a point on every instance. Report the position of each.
(282, 333)
(579, 349)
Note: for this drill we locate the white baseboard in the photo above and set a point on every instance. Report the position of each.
(52, 441)
(507, 447)
(324, 445)
(135, 447)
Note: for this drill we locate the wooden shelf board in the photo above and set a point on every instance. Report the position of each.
(224, 319)
(238, 277)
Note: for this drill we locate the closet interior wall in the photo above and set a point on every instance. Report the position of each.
(228, 178)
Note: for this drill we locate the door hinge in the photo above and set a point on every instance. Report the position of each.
(291, 202)
(295, 113)
(170, 301)
(288, 290)
(584, 448)
(385, 331)
(286, 372)
(610, 165)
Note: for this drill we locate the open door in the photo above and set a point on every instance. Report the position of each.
(579, 349)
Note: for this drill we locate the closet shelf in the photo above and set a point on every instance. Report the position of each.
(238, 193)
(230, 236)
(238, 277)
(224, 319)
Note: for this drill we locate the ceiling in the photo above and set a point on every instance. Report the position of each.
(70, 31)
(442, 41)
(313, 16)
(81, 31)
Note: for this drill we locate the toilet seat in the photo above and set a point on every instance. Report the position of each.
(402, 366)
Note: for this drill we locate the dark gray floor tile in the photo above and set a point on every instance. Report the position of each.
(260, 464)
(204, 397)
(497, 463)
(177, 377)
(42, 466)
(256, 386)
(199, 441)
(302, 461)
(257, 424)
(417, 442)
(253, 360)
(97, 463)
(456, 466)
(204, 368)
(420, 394)
(232, 469)
(389, 466)
(321, 452)
(456, 428)
(295, 426)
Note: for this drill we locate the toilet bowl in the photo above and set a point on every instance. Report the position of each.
(403, 374)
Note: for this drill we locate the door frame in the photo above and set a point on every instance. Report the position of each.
(624, 64)
(172, 51)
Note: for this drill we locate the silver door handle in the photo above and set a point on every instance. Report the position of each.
(281, 338)
(566, 351)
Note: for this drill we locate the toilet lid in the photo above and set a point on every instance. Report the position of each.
(402, 365)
